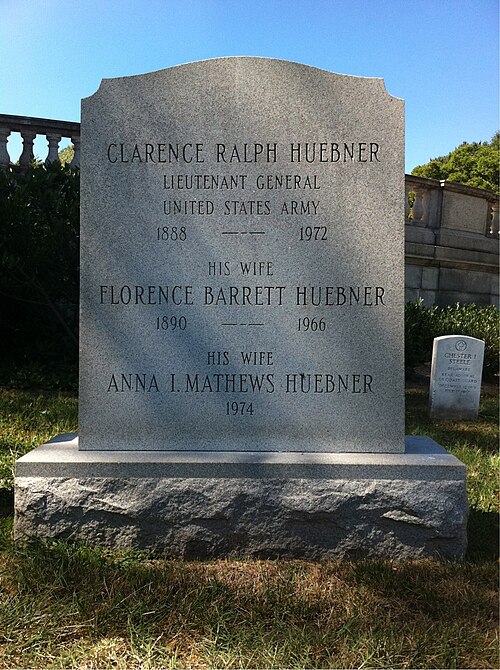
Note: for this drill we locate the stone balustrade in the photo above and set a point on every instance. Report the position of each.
(29, 128)
(473, 209)
(451, 242)
(451, 229)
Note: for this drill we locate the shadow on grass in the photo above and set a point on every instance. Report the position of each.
(334, 614)
(482, 536)
(6, 503)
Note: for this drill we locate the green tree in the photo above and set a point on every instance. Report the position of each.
(475, 164)
(66, 155)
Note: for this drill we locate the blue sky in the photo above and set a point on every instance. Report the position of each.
(440, 56)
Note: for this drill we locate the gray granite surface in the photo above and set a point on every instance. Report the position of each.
(242, 261)
(423, 459)
(196, 505)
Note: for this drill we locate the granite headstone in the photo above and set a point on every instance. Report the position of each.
(242, 261)
(456, 373)
(242, 311)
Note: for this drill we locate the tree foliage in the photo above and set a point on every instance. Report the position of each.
(66, 155)
(475, 164)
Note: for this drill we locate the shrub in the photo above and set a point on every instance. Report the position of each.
(423, 324)
(418, 337)
(39, 258)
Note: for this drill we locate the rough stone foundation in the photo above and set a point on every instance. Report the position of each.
(260, 505)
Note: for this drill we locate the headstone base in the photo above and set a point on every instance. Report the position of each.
(199, 505)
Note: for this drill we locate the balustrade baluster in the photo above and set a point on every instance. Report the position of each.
(407, 205)
(418, 209)
(26, 156)
(4, 154)
(53, 140)
(494, 219)
(76, 145)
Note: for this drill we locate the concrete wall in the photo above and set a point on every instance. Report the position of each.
(451, 243)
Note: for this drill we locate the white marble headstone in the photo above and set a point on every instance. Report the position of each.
(456, 373)
(242, 255)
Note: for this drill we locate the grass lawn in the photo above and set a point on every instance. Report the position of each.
(65, 605)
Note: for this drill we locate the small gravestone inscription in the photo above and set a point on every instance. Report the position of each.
(242, 255)
(456, 372)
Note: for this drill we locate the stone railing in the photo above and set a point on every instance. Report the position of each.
(29, 128)
(431, 203)
(451, 242)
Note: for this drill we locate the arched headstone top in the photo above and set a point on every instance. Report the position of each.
(242, 260)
